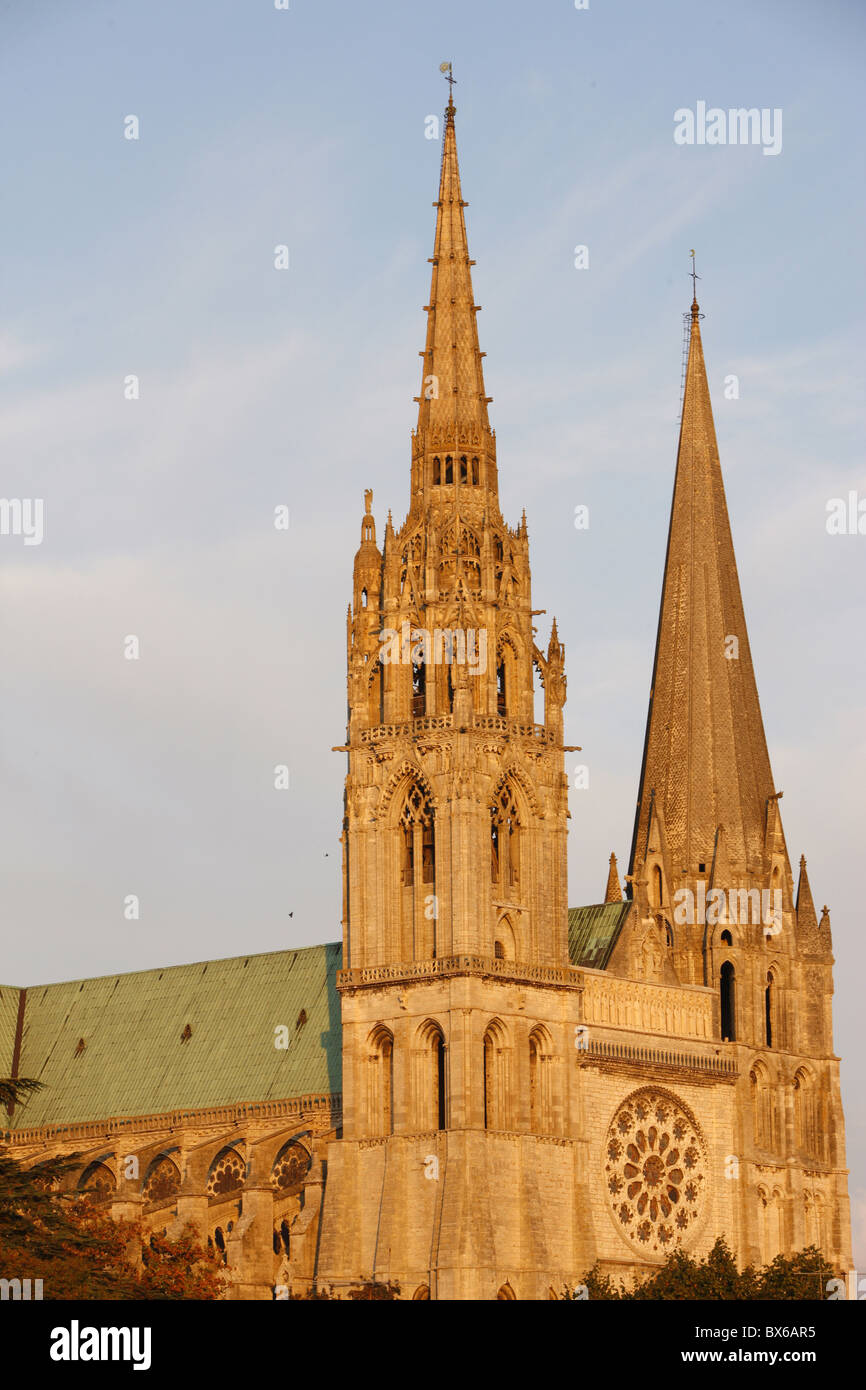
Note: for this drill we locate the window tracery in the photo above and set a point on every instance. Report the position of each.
(656, 1171)
(162, 1181)
(226, 1174)
(291, 1166)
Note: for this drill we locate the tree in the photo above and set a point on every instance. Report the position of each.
(799, 1277)
(14, 1090)
(79, 1252)
(370, 1290)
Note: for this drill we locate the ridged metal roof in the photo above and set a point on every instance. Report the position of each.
(593, 933)
(134, 1061)
(9, 996)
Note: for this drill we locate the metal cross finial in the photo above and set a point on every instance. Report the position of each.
(450, 79)
(695, 278)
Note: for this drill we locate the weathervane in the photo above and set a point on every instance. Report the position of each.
(446, 68)
(695, 278)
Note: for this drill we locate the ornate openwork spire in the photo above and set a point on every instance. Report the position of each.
(705, 760)
(452, 406)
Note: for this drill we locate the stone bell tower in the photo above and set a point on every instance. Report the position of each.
(454, 836)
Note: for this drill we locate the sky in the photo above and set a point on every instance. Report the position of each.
(258, 387)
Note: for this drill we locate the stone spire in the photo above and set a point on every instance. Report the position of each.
(705, 766)
(452, 406)
(806, 915)
(810, 936)
(613, 891)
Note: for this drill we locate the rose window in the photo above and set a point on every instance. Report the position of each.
(162, 1181)
(290, 1167)
(98, 1183)
(226, 1175)
(655, 1171)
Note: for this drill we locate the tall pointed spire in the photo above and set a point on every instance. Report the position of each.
(706, 772)
(452, 406)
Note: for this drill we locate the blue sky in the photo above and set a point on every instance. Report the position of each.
(155, 257)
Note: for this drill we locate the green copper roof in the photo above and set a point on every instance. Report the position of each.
(593, 933)
(9, 996)
(134, 1062)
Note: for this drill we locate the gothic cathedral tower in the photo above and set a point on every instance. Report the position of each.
(454, 834)
(709, 865)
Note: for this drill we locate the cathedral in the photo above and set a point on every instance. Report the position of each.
(480, 1092)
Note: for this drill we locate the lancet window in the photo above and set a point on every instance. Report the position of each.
(505, 834)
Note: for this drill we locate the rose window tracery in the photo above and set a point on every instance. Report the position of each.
(98, 1183)
(226, 1175)
(290, 1167)
(655, 1171)
(162, 1181)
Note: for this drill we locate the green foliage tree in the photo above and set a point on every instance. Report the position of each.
(799, 1277)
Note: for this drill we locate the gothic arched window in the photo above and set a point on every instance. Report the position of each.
(162, 1181)
(489, 1080)
(226, 1174)
(449, 469)
(807, 1128)
(380, 1092)
(419, 837)
(428, 853)
(727, 989)
(419, 689)
(769, 1008)
(437, 471)
(376, 695)
(501, 705)
(658, 890)
(505, 840)
(291, 1166)
(508, 684)
(540, 1103)
(475, 472)
(495, 1078)
(464, 475)
(97, 1182)
(763, 1107)
(429, 1102)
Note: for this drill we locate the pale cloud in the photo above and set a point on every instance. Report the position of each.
(17, 352)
